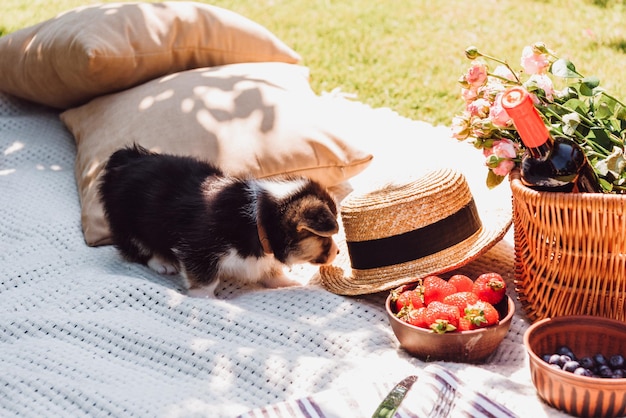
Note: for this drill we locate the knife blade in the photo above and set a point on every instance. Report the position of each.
(392, 401)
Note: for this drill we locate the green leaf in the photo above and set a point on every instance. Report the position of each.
(588, 85)
(620, 112)
(584, 90)
(493, 179)
(605, 107)
(603, 111)
(616, 126)
(599, 136)
(577, 105)
(606, 186)
(564, 68)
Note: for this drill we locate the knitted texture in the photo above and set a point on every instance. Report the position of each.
(85, 333)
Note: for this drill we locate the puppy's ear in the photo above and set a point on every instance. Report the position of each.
(319, 220)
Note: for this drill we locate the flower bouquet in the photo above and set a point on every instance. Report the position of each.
(569, 248)
(570, 104)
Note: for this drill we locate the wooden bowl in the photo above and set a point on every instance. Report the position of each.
(586, 335)
(458, 346)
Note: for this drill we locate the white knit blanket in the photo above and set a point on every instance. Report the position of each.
(83, 333)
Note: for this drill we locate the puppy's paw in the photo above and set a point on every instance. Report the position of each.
(206, 292)
(279, 279)
(162, 266)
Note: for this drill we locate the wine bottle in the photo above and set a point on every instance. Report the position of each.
(555, 164)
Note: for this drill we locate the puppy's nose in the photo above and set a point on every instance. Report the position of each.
(332, 253)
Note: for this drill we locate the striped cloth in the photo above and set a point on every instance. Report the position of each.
(437, 393)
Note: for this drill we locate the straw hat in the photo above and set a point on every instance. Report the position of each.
(400, 233)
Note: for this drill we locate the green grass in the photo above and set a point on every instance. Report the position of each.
(408, 54)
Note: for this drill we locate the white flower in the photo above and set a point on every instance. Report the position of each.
(570, 123)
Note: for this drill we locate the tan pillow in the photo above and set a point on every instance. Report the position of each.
(95, 50)
(259, 119)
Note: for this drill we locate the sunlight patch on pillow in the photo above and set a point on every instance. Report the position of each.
(255, 119)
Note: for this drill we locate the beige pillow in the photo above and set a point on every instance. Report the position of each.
(259, 119)
(95, 50)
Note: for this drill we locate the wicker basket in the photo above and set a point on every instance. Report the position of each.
(570, 252)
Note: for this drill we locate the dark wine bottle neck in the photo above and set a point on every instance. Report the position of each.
(542, 150)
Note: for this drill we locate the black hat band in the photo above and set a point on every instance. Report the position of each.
(422, 242)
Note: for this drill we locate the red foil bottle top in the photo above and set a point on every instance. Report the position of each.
(519, 106)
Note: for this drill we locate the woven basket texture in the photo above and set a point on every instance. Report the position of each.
(570, 252)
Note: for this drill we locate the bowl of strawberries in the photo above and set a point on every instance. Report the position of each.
(458, 319)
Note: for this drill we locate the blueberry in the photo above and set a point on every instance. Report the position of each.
(566, 351)
(570, 366)
(564, 359)
(596, 366)
(605, 371)
(587, 362)
(600, 360)
(581, 371)
(554, 359)
(616, 362)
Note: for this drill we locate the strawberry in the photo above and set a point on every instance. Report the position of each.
(481, 314)
(490, 287)
(413, 316)
(465, 324)
(461, 282)
(461, 299)
(436, 288)
(395, 294)
(442, 318)
(412, 297)
(417, 317)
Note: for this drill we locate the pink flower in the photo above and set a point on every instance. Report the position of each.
(504, 72)
(497, 114)
(504, 168)
(477, 128)
(504, 148)
(479, 108)
(534, 63)
(482, 128)
(469, 95)
(460, 127)
(491, 89)
(544, 82)
(499, 158)
(477, 74)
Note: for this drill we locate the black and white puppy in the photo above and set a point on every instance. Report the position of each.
(181, 215)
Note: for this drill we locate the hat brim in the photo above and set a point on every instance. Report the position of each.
(494, 207)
